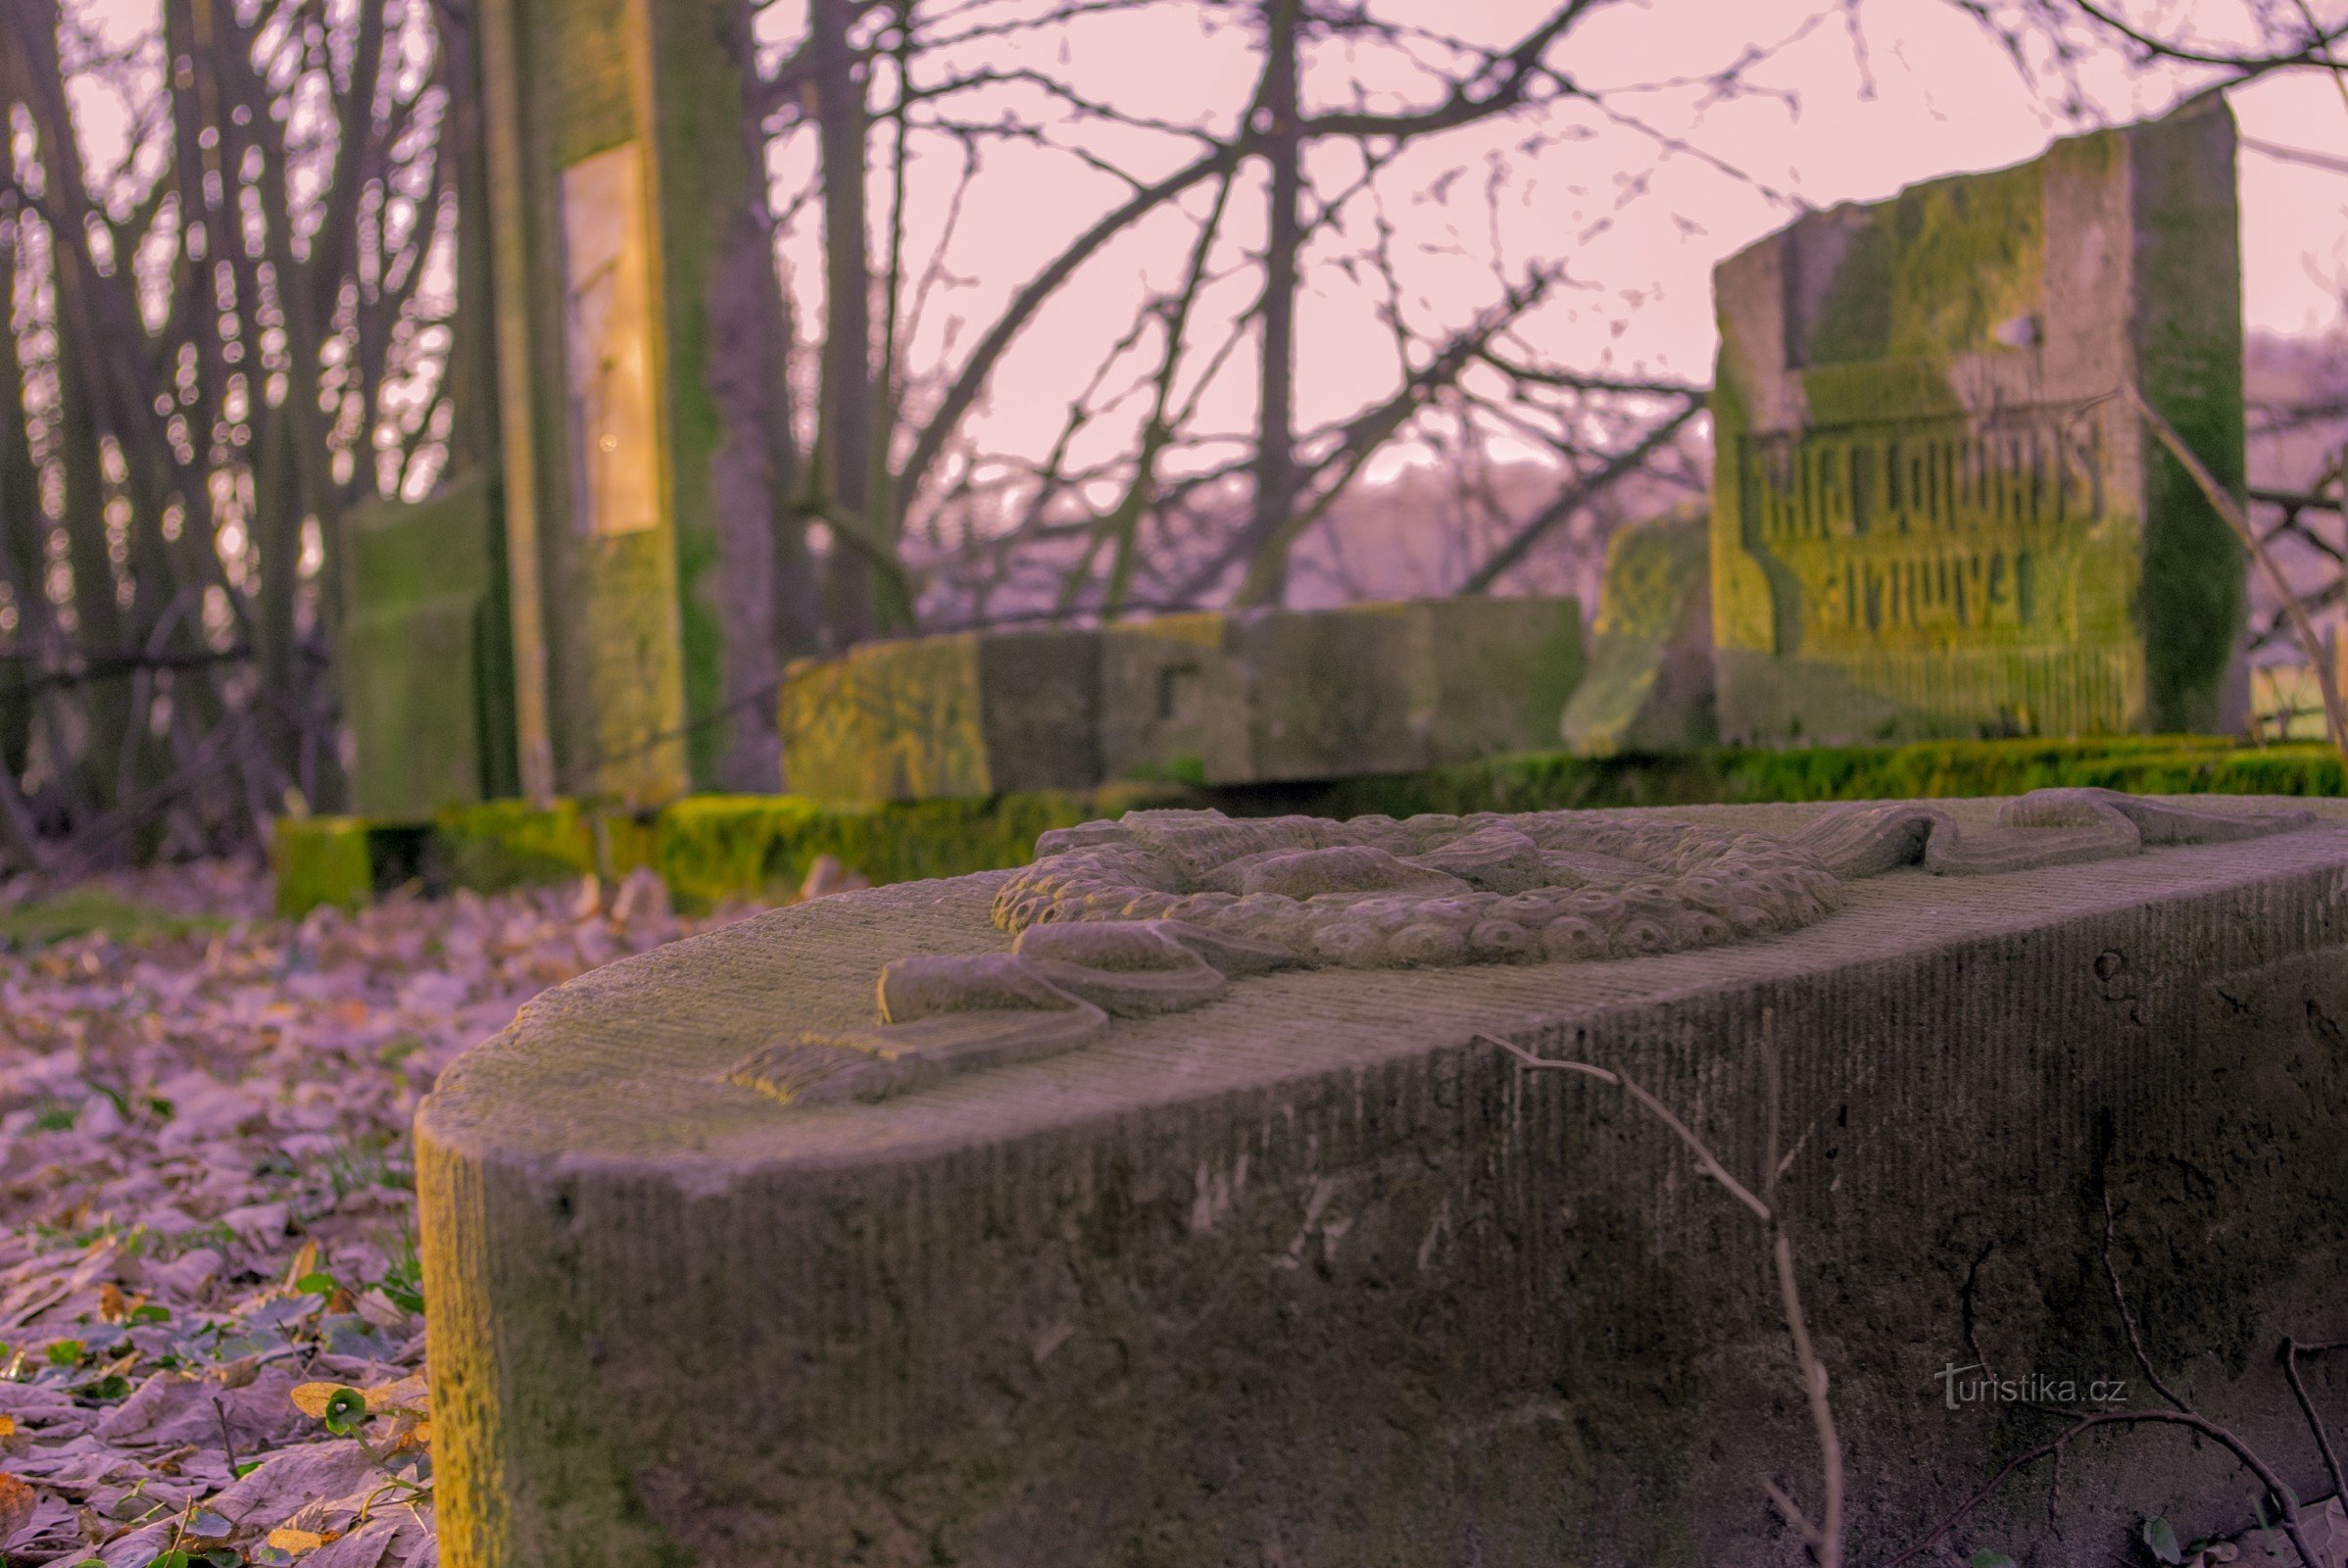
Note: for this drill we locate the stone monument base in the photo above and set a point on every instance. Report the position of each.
(1293, 1267)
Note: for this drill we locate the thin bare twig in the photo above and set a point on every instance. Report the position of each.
(2082, 1422)
(1662, 1112)
(1824, 1536)
(2127, 1319)
(2292, 1351)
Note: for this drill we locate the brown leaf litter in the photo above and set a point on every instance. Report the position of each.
(211, 1333)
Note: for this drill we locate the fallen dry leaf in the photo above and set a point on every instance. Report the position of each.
(17, 1504)
(287, 1538)
(313, 1398)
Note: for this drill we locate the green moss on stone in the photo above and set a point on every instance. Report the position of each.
(888, 720)
(584, 84)
(2188, 339)
(1971, 255)
(507, 843)
(1650, 569)
(715, 846)
(1557, 781)
(1936, 270)
(701, 179)
(712, 846)
(1651, 607)
(320, 860)
(1879, 389)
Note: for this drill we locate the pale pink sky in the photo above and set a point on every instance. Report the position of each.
(1944, 99)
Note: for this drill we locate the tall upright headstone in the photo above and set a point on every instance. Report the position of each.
(619, 170)
(1935, 512)
(422, 653)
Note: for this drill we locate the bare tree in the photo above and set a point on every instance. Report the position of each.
(225, 337)
(1176, 511)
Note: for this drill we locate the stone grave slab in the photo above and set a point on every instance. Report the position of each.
(1173, 702)
(1649, 686)
(966, 713)
(1934, 511)
(1243, 697)
(1330, 692)
(426, 679)
(1497, 672)
(1165, 1202)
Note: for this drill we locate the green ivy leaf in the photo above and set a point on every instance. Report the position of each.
(316, 1285)
(2160, 1540)
(1988, 1558)
(346, 1411)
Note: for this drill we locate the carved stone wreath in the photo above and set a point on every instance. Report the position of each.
(1159, 911)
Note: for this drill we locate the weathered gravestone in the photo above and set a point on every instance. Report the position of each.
(427, 673)
(1934, 511)
(622, 557)
(1159, 1204)
(1492, 675)
(1649, 685)
(1241, 698)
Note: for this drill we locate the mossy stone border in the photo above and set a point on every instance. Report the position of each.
(709, 847)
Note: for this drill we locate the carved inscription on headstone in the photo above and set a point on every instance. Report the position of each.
(1919, 530)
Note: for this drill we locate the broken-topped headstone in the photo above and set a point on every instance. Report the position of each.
(1935, 512)
(1165, 1202)
(1649, 686)
(1240, 698)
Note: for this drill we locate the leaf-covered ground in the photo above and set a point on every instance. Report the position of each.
(211, 1330)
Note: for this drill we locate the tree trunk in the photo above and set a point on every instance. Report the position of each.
(22, 530)
(844, 437)
(1276, 416)
(474, 443)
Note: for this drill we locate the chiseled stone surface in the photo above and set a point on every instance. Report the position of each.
(1299, 1272)
(1934, 511)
